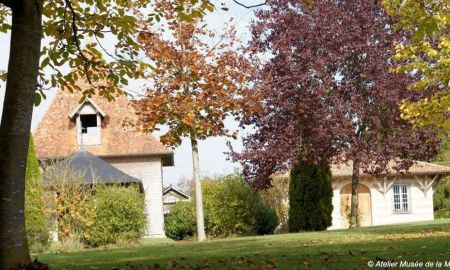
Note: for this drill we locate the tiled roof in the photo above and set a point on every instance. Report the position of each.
(418, 168)
(56, 134)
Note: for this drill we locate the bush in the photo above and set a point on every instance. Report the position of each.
(310, 195)
(119, 216)
(266, 220)
(277, 197)
(36, 223)
(230, 206)
(181, 222)
(441, 199)
(68, 201)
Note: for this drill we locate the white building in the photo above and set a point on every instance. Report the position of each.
(101, 126)
(394, 198)
(172, 196)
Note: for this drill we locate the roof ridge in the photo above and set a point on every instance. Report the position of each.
(432, 164)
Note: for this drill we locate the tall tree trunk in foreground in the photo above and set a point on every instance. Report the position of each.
(198, 190)
(15, 126)
(354, 213)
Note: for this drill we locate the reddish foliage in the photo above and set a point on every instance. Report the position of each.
(196, 84)
(328, 92)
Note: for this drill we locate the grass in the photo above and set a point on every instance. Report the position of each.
(340, 249)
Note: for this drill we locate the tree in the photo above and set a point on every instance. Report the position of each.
(328, 93)
(36, 223)
(65, 24)
(195, 87)
(310, 195)
(426, 52)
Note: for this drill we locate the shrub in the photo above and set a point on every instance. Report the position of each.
(181, 222)
(230, 206)
(441, 199)
(310, 195)
(266, 220)
(36, 223)
(69, 202)
(277, 197)
(119, 215)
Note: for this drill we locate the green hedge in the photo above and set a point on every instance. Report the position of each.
(119, 216)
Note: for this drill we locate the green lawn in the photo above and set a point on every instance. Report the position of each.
(342, 249)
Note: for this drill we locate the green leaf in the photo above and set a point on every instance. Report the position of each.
(45, 62)
(37, 99)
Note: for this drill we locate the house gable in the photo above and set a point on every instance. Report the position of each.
(56, 134)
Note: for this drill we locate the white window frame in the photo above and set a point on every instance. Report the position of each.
(403, 200)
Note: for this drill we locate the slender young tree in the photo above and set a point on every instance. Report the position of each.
(195, 86)
(328, 93)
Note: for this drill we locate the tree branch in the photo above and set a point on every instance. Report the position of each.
(77, 41)
(251, 6)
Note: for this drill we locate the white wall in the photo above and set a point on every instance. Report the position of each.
(421, 204)
(149, 170)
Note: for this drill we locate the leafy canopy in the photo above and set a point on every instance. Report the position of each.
(195, 84)
(327, 91)
(74, 30)
(426, 52)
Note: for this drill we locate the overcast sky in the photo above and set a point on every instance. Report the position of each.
(212, 157)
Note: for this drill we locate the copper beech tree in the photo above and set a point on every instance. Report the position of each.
(196, 84)
(328, 93)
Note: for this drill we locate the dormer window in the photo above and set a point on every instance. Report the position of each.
(88, 123)
(88, 117)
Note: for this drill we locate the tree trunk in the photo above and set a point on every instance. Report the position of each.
(354, 213)
(15, 126)
(198, 190)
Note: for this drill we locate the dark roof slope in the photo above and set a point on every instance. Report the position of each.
(94, 169)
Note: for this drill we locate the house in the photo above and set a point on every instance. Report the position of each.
(171, 196)
(100, 127)
(396, 197)
(393, 198)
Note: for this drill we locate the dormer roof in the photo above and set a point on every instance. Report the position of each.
(80, 106)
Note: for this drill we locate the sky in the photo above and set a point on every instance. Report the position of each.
(213, 160)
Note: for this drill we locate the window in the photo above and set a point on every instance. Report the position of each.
(89, 126)
(401, 199)
(88, 121)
